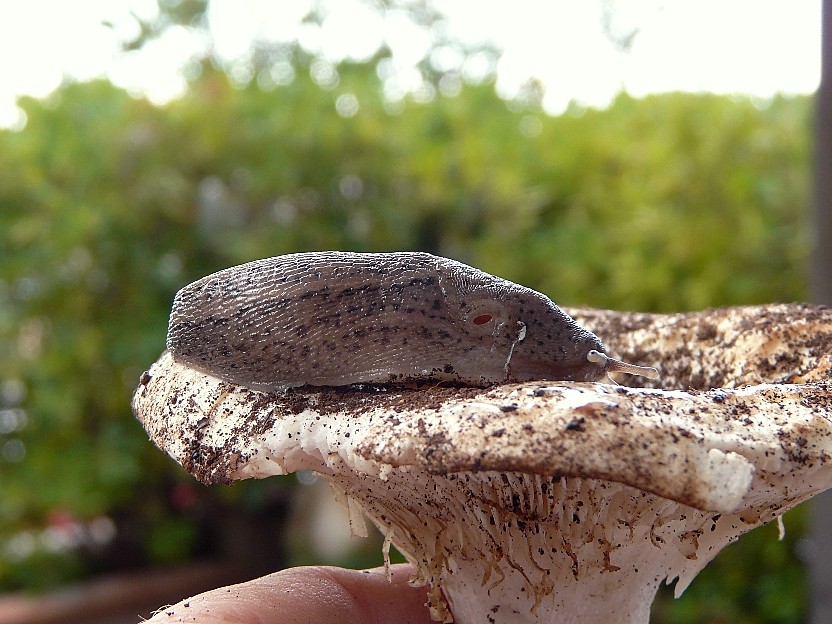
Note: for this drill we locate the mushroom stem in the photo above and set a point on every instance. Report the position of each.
(612, 365)
(544, 550)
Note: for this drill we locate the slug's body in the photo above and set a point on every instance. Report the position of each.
(337, 318)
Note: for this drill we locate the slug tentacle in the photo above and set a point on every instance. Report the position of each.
(611, 365)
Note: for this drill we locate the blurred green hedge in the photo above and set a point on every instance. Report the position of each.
(108, 205)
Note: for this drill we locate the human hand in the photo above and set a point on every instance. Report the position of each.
(308, 595)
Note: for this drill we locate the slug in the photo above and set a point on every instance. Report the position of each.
(339, 318)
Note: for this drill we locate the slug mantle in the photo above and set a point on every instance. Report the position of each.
(544, 501)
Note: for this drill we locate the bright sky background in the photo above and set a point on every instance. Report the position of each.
(726, 46)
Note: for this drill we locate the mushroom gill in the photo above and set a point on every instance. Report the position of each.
(545, 501)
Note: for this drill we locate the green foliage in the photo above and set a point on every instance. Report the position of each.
(109, 204)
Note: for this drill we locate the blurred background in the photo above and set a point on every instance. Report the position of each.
(642, 155)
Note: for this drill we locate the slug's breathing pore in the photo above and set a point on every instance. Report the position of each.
(336, 318)
(610, 365)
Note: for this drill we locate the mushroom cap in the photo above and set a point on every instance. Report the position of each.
(522, 501)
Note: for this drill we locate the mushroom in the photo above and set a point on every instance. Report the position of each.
(545, 501)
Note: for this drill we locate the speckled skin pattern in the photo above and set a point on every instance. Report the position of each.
(338, 318)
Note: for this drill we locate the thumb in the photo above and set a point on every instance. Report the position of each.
(308, 595)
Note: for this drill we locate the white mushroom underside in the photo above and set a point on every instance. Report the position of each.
(527, 502)
(545, 545)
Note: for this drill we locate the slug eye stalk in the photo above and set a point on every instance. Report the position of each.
(612, 365)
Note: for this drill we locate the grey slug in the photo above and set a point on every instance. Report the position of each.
(338, 318)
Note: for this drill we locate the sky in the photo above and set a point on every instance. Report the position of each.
(751, 47)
